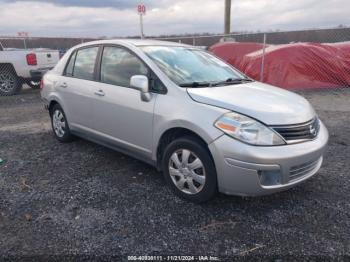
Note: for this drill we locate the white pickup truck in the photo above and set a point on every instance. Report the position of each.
(19, 66)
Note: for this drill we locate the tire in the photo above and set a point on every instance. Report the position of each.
(182, 175)
(10, 84)
(33, 84)
(60, 125)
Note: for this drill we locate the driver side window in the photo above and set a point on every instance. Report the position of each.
(118, 66)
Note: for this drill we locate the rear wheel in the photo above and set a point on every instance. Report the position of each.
(189, 170)
(60, 125)
(10, 84)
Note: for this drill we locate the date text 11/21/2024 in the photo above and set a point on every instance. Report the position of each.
(173, 258)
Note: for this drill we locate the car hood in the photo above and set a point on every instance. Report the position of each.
(268, 104)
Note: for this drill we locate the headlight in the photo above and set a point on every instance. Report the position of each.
(248, 130)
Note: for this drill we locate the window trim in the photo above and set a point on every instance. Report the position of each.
(75, 52)
(150, 71)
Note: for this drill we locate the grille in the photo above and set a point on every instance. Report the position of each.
(303, 169)
(296, 133)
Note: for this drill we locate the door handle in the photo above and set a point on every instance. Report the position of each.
(64, 85)
(99, 93)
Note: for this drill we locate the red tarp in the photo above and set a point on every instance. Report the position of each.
(291, 66)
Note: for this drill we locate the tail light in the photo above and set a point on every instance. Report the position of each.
(42, 83)
(31, 59)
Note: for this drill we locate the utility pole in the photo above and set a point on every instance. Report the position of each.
(141, 27)
(227, 16)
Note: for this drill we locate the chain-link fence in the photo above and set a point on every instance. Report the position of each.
(58, 43)
(291, 60)
(333, 35)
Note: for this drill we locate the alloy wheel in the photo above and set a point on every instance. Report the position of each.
(7, 82)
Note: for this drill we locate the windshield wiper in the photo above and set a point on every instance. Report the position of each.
(232, 81)
(229, 81)
(196, 84)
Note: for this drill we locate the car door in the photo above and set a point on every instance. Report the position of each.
(120, 115)
(76, 87)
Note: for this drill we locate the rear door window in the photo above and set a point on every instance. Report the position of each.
(85, 63)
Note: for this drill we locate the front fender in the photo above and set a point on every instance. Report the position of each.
(208, 134)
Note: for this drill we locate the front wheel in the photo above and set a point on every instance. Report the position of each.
(189, 169)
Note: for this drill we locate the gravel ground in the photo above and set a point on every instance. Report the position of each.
(83, 199)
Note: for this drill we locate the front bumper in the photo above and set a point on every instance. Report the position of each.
(248, 170)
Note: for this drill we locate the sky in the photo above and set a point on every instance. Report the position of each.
(113, 18)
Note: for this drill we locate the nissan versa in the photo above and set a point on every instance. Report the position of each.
(207, 126)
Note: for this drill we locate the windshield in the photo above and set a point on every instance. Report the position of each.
(185, 65)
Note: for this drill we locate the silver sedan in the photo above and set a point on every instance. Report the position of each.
(200, 121)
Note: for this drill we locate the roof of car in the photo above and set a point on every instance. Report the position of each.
(136, 42)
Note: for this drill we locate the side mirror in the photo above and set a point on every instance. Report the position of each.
(140, 83)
